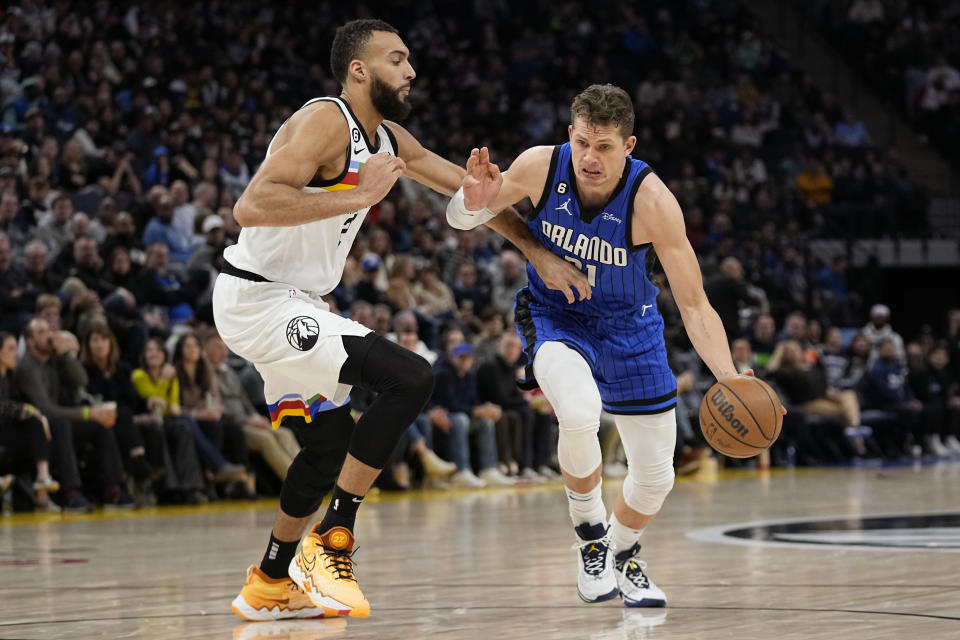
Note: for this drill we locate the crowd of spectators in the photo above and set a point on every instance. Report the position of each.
(128, 132)
(908, 51)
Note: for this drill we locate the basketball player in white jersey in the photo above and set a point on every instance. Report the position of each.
(326, 166)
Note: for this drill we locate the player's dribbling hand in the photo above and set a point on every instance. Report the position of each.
(749, 373)
(482, 182)
(378, 175)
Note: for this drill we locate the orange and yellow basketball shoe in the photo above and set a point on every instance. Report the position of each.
(266, 598)
(323, 568)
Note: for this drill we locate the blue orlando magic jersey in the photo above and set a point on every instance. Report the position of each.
(598, 242)
(618, 331)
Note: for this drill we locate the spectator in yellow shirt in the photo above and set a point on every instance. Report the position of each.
(815, 185)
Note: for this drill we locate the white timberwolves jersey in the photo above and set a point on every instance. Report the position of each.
(311, 256)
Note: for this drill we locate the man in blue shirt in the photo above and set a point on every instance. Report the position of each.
(161, 227)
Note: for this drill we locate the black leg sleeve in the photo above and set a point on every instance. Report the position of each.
(403, 381)
(315, 469)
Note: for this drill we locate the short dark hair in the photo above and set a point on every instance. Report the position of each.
(349, 42)
(604, 104)
(60, 198)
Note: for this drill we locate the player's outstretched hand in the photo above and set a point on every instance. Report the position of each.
(378, 175)
(562, 276)
(482, 182)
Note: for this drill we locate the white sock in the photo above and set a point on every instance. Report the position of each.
(621, 536)
(587, 507)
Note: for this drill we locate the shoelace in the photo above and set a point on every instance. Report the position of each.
(594, 554)
(340, 562)
(635, 574)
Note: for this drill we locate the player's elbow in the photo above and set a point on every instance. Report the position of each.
(692, 302)
(245, 212)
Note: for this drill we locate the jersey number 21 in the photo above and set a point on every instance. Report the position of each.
(591, 269)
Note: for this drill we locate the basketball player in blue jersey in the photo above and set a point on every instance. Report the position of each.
(325, 167)
(602, 210)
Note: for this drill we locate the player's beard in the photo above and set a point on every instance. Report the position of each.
(387, 101)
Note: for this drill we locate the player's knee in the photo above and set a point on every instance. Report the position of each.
(417, 380)
(578, 451)
(645, 493)
(582, 419)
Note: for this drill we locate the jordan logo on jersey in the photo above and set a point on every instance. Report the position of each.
(565, 207)
(585, 248)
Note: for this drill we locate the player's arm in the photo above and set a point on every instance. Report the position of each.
(311, 139)
(444, 177)
(657, 217)
(524, 179)
(424, 165)
(484, 185)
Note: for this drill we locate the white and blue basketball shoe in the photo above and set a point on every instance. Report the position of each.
(596, 579)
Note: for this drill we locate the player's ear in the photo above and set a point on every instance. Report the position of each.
(357, 70)
(570, 131)
(630, 144)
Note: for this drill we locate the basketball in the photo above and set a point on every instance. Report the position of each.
(740, 417)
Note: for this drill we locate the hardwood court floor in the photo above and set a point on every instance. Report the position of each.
(497, 564)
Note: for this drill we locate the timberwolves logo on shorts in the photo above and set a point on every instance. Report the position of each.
(303, 332)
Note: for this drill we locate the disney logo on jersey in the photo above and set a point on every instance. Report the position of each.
(565, 207)
(610, 216)
(584, 247)
(302, 333)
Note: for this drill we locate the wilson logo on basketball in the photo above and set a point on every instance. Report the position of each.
(725, 409)
(740, 416)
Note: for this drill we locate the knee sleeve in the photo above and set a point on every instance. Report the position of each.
(403, 381)
(568, 384)
(314, 470)
(649, 443)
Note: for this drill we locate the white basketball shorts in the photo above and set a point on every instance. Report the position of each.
(293, 340)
